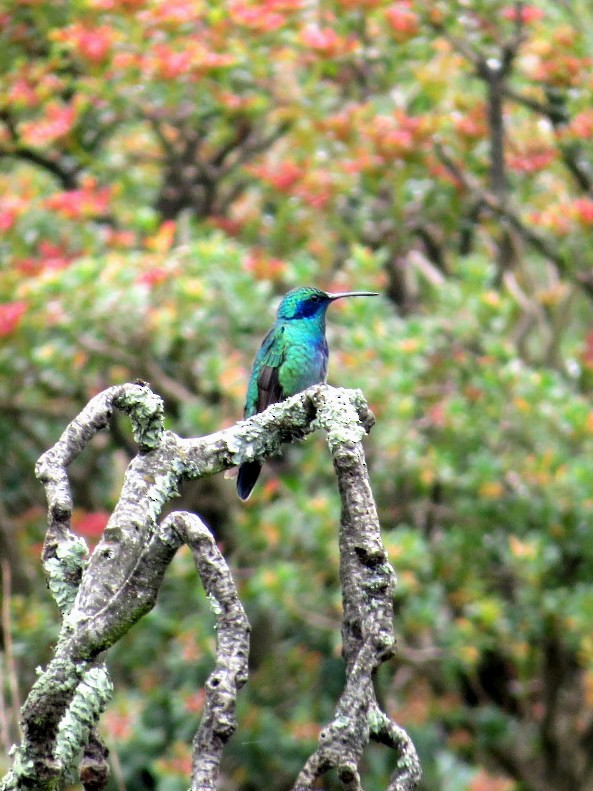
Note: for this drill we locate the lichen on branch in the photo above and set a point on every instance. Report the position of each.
(101, 597)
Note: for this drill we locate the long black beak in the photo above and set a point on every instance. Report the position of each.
(353, 294)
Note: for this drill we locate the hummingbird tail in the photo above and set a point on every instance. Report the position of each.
(248, 474)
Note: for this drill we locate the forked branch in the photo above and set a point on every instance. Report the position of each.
(102, 597)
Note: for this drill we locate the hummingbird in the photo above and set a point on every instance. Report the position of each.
(293, 356)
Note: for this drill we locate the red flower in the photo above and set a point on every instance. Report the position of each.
(528, 14)
(50, 256)
(583, 208)
(58, 121)
(93, 44)
(564, 70)
(28, 266)
(90, 523)
(85, 202)
(194, 702)
(473, 125)
(227, 224)
(21, 93)
(173, 12)
(325, 41)
(110, 5)
(262, 17)
(153, 276)
(282, 176)
(316, 189)
(363, 162)
(356, 4)
(122, 238)
(194, 59)
(7, 219)
(169, 63)
(397, 135)
(10, 316)
(532, 161)
(558, 217)
(262, 266)
(587, 354)
(403, 21)
(582, 125)
(54, 256)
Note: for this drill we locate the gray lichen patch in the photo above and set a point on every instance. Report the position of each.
(146, 412)
(64, 570)
(90, 699)
(164, 488)
(338, 415)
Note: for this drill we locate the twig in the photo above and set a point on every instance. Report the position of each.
(5, 739)
(232, 649)
(67, 176)
(550, 111)
(116, 769)
(501, 208)
(494, 72)
(8, 644)
(385, 731)
(558, 116)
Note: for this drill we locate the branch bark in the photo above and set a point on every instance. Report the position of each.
(495, 73)
(101, 597)
(502, 209)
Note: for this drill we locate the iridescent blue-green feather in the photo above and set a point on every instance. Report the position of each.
(293, 356)
(264, 389)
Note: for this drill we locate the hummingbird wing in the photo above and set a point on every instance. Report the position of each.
(269, 389)
(264, 389)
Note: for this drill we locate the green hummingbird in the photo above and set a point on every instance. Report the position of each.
(293, 356)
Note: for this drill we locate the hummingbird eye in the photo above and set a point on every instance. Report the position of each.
(315, 298)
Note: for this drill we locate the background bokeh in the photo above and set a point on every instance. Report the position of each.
(168, 169)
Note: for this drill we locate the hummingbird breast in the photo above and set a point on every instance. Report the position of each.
(305, 362)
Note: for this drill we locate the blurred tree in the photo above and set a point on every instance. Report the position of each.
(167, 169)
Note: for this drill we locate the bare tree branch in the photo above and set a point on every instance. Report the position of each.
(493, 204)
(66, 174)
(102, 597)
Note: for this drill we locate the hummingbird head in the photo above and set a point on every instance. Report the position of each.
(307, 302)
